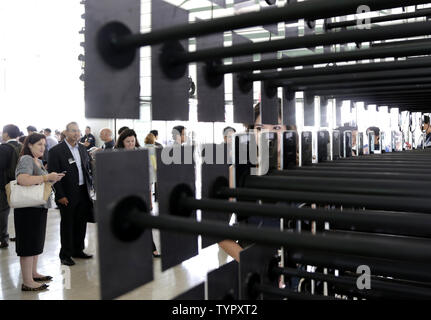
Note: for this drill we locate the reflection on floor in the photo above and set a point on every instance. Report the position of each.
(84, 276)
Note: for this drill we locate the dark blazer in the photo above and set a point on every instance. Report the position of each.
(58, 161)
(5, 158)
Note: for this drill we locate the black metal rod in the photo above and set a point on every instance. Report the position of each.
(355, 175)
(367, 89)
(393, 203)
(401, 188)
(333, 82)
(381, 267)
(401, 96)
(414, 250)
(398, 100)
(406, 154)
(396, 43)
(366, 67)
(388, 288)
(373, 165)
(367, 169)
(380, 33)
(291, 295)
(353, 55)
(358, 84)
(394, 160)
(391, 17)
(363, 95)
(411, 224)
(353, 77)
(311, 10)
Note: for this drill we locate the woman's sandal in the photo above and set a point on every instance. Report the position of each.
(43, 279)
(42, 287)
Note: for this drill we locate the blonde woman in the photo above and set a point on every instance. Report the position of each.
(149, 141)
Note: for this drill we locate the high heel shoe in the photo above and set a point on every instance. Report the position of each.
(156, 255)
(42, 287)
(43, 279)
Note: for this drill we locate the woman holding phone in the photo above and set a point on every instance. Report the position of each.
(30, 222)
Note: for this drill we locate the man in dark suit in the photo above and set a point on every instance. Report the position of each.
(89, 141)
(156, 134)
(9, 153)
(72, 193)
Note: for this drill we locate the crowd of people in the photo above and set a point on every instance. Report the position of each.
(64, 160)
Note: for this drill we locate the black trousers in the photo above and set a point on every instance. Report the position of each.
(73, 225)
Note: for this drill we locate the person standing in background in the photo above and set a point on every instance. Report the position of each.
(73, 193)
(50, 140)
(120, 131)
(107, 138)
(156, 135)
(426, 128)
(31, 129)
(30, 222)
(88, 140)
(9, 155)
(179, 135)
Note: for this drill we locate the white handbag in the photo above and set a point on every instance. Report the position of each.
(27, 196)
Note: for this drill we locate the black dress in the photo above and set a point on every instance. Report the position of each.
(30, 223)
(30, 229)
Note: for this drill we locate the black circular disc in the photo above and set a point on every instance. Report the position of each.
(220, 182)
(118, 58)
(311, 23)
(181, 191)
(173, 70)
(244, 85)
(213, 78)
(121, 224)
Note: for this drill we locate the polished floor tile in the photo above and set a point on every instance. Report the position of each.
(81, 281)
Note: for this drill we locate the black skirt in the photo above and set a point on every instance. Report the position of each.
(30, 229)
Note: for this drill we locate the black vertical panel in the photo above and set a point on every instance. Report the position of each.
(309, 30)
(272, 28)
(120, 175)
(242, 99)
(195, 293)
(289, 107)
(214, 172)
(221, 3)
(306, 148)
(288, 97)
(255, 259)
(269, 106)
(309, 109)
(223, 283)
(327, 49)
(176, 247)
(343, 46)
(169, 98)
(211, 107)
(323, 111)
(338, 105)
(110, 92)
